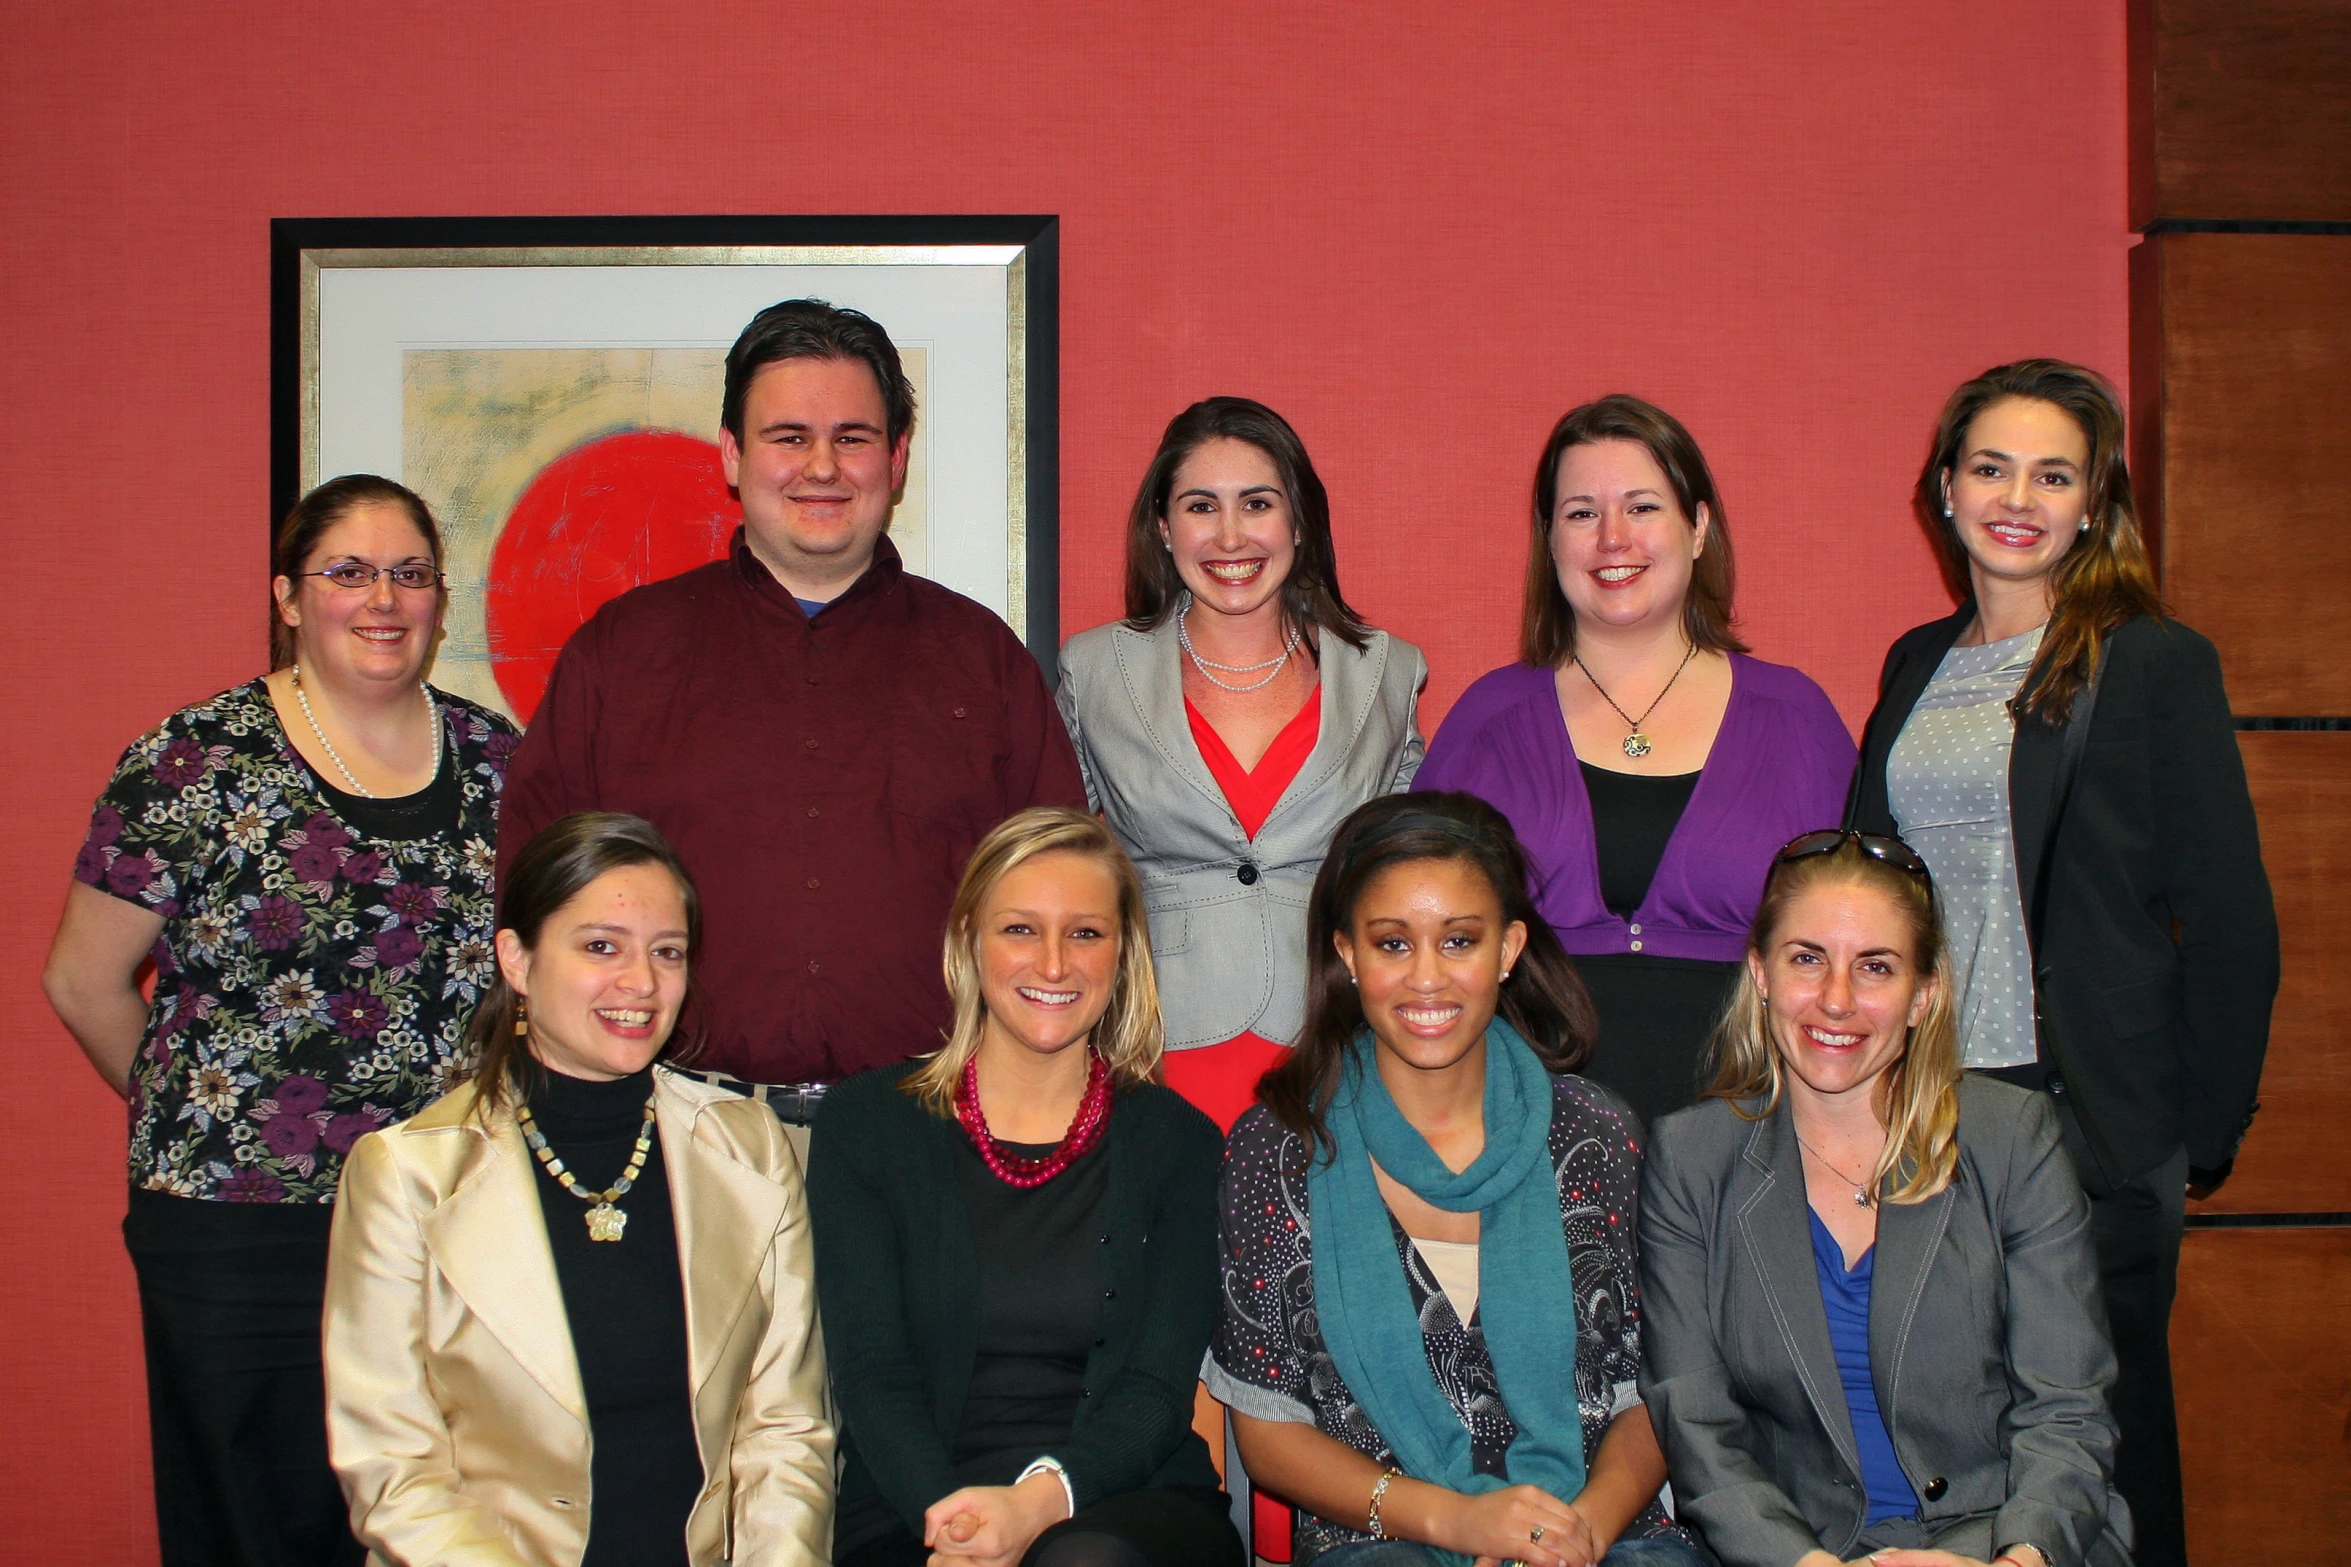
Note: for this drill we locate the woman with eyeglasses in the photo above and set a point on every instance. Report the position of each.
(306, 859)
(1647, 762)
(2063, 755)
(1872, 1313)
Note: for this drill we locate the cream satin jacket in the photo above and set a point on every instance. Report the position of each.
(455, 1415)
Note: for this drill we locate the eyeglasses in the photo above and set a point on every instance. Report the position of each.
(358, 574)
(1886, 851)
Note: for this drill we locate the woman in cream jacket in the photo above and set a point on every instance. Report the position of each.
(570, 1318)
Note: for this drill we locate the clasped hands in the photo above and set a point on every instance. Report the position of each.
(992, 1525)
(1520, 1523)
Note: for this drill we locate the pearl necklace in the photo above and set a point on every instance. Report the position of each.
(1273, 665)
(432, 713)
(1018, 1170)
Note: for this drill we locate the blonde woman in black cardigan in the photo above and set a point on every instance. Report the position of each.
(2062, 754)
(1016, 1244)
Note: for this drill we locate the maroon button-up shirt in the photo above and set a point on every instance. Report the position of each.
(824, 778)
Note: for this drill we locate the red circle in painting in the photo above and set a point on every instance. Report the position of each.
(604, 517)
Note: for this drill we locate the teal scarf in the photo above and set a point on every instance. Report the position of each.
(1526, 1295)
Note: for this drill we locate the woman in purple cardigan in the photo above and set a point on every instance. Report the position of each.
(1648, 764)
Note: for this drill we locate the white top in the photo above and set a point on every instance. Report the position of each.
(1455, 1263)
(1947, 782)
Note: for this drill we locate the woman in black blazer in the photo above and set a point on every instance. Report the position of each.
(2063, 757)
(1016, 1244)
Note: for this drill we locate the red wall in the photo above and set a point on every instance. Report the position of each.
(1421, 232)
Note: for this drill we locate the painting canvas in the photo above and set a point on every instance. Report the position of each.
(558, 407)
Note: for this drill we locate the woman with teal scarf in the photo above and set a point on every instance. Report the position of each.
(1431, 1331)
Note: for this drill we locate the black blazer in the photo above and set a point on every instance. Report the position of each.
(896, 1275)
(2156, 956)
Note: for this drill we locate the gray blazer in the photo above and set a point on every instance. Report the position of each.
(1228, 916)
(1987, 1342)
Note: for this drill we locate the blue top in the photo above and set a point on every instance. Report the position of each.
(1846, 1295)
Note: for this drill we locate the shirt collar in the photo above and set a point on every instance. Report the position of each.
(877, 578)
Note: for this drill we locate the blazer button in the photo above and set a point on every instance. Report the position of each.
(1110, 1294)
(1246, 875)
(1935, 1489)
(1098, 1343)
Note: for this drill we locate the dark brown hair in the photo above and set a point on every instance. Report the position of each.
(1543, 998)
(309, 520)
(2104, 579)
(1310, 594)
(817, 329)
(1546, 622)
(554, 868)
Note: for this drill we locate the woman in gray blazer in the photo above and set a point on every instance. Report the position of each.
(1873, 1319)
(1227, 726)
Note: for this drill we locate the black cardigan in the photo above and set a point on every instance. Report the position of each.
(2156, 957)
(897, 1277)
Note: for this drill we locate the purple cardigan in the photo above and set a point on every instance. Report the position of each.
(1779, 767)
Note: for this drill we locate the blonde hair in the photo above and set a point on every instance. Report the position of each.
(1917, 1098)
(1128, 1038)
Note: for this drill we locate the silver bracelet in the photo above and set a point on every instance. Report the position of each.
(1379, 1494)
(1052, 1466)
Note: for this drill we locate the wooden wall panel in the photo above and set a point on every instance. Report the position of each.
(2242, 110)
(2254, 457)
(2264, 1389)
(2297, 1159)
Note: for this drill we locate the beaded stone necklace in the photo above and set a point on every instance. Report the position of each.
(1018, 1169)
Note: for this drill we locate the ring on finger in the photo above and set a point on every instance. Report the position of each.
(1535, 1535)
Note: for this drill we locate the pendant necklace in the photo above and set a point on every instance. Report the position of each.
(1018, 1170)
(1636, 744)
(605, 1222)
(432, 714)
(1861, 1193)
(1273, 665)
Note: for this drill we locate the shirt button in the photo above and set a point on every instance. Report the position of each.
(961, 712)
(1101, 1240)
(812, 884)
(1246, 875)
(1110, 1294)
(809, 743)
(1098, 1343)
(1636, 946)
(812, 966)
(1636, 930)
(812, 813)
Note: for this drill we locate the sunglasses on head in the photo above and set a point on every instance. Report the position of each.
(1886, 851)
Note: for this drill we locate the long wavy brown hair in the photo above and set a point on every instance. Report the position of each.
(2105, 579)
(1918, 1096)
(1546, 622)
(1544, 998)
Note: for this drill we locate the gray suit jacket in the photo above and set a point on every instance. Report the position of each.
(1228, 916)
(1987, 1342)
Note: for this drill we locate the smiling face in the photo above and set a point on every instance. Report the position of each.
(1428, 947)
(607, 976)
(379, 633)
(1620, 542)
(2019, 493)
(1048, 948)
(816, 470)
(1842, 987)
(1230, 527)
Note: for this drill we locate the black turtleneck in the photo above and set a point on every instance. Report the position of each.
(626, 1301)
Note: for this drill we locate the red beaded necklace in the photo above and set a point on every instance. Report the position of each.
(1017, 1169)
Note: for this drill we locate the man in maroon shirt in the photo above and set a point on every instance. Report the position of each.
(822, 736)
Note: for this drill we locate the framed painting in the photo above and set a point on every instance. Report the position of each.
(551, 387)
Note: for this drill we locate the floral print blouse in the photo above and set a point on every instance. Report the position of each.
(312, 983)
(1268, 1358)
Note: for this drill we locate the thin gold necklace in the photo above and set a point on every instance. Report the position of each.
(1636, 744)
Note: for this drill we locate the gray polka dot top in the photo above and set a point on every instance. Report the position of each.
(1947, 781)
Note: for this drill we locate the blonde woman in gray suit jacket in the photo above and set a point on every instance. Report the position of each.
(1228, 725)
(1873, 1325)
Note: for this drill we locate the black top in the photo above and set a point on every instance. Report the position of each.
(1655, 1013)
(901, 1283)
(1042, 1273)
(2156, 960)
(1633, 815)
(406, 817)
(626, 1301)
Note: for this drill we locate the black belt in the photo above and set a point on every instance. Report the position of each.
(795, 1104)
